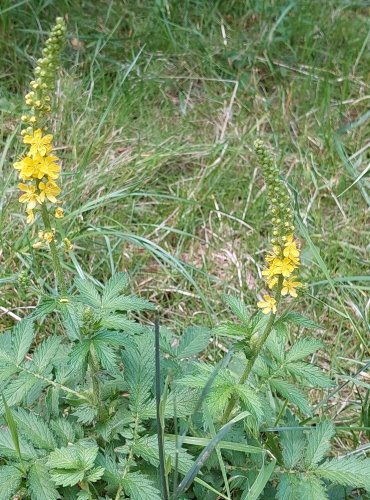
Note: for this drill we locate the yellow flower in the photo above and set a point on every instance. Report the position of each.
(267, 305)
(29, 196)
(59, 213)
(49, 190)
(48, 167)
(49, 236)
(30, 216)
(282, 266)
(290, 248)
(289, 286)
(269, 273)
(27, 167)
(39, 143)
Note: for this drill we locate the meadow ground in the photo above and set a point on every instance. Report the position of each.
(159, 105)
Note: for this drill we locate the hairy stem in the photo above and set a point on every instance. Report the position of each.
(249, 367)
(54, 252)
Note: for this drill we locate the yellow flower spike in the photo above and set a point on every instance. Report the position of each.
(289, 286)
(29, 196)
(267, 305)
(48, 190)
(290, 248)
(59, 213)
(39, 143)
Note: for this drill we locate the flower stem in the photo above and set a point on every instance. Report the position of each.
(54, 251)
(249, 367)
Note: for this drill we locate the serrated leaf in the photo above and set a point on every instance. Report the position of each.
(127, 303)
(34, 429)
(192, 341)
(181, 403)
(22, 337)
(250, 399)
(238, 307)
(65, 430)
(69, 464)
(106, 356)
(288, 488)
(10, 481)
(95, 474)
(121, 322)
(293, 443)
(349, 471)
(309, 373)
(111, 337)
(114, 286)
(147, 448)
(79, 354)
(292, 394)
(46, 353)
(302, 349)
(312, 488)
(230, 329)
(85, 414)
(88, 293)
(318, 443)
(137, 486)
(39, 483)
(139, 363)
(8, 450)
(70, 320)
(300, 320)
(19, 388)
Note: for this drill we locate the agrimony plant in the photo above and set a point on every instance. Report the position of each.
(80, 414)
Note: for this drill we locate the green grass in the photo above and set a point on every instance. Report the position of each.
(159, 105)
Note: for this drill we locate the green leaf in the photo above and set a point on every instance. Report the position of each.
(65, 430)
(22, 339)
(293, 443)
(309, 373)
(19, 388)
(34, 429)
(127, 303)
(302, 349)
(78, 355)
(181, 403)
(106, 356)
(85, 414)
(114, 286)
(10, 481)
(318, 443)
(39, 483)
(147, 448)
(71, 321)
(139, 363)
(300, 320)
(312, 488)
(95, 474)
(349, 471)
(230, 329)
(137, 486)
(8, 450)
(292, 394)
(238, 307)
(288, 488)
(111, 337)
(46, 352)
(69, 464)
(193, 341)
(250, 399)
(88, 293)
(121, 322)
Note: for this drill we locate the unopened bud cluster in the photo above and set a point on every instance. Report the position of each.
(40, 97)
(284, 258)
